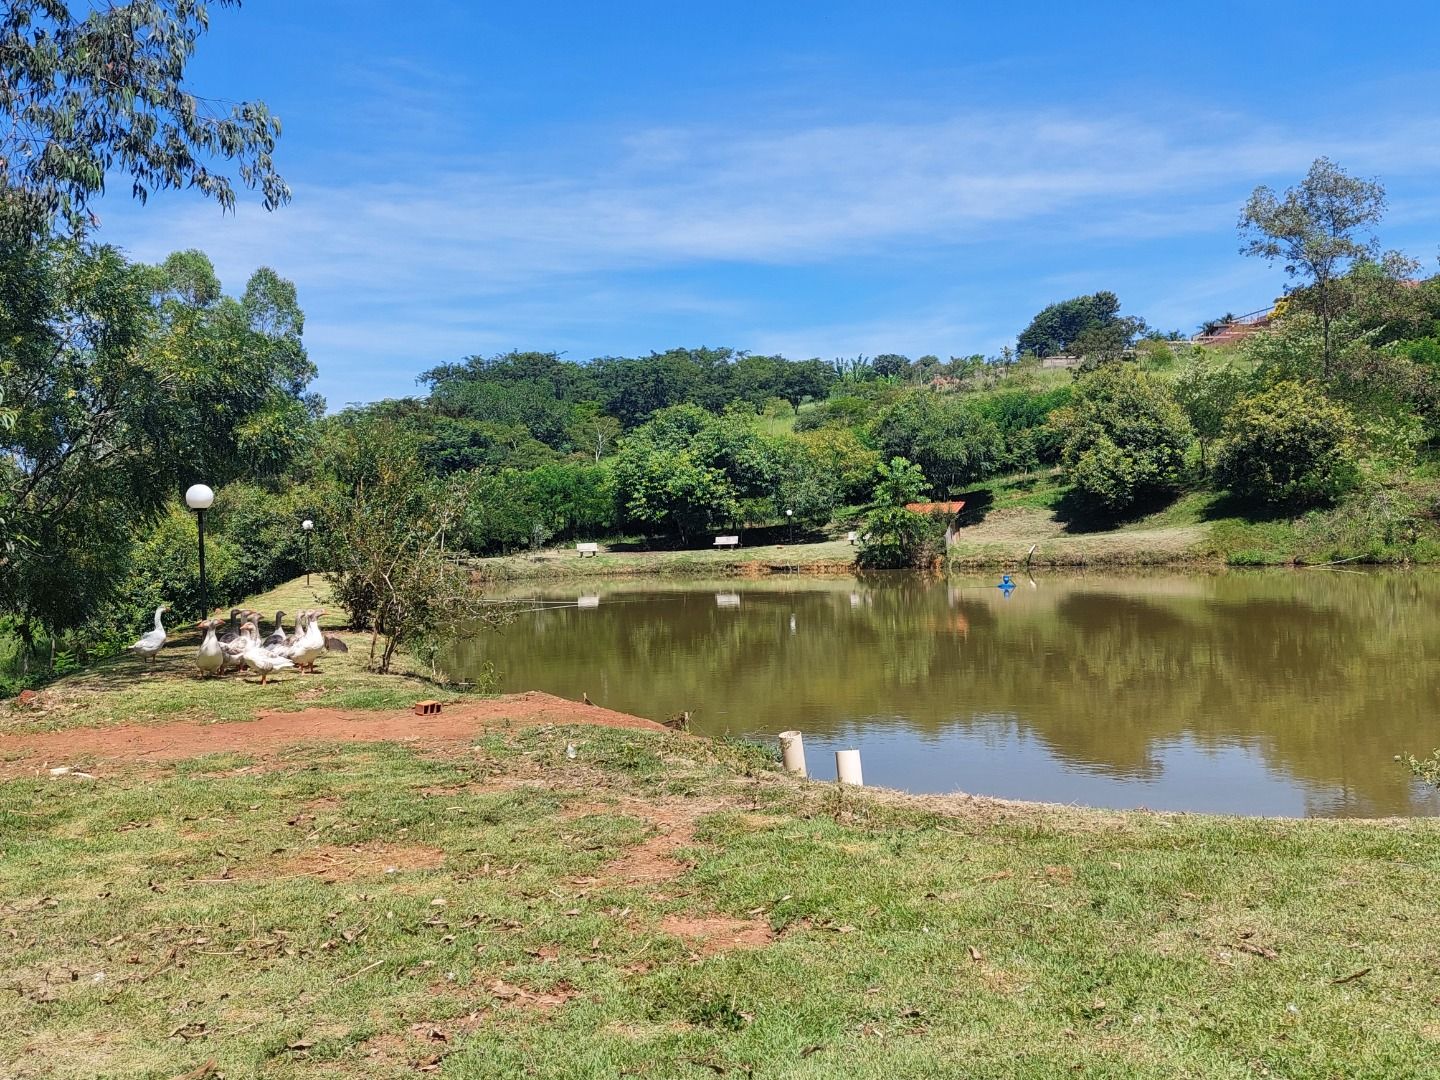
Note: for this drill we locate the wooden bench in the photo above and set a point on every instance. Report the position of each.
(587, 549)
(727, 541)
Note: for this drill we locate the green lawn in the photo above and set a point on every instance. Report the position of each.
(662, 906)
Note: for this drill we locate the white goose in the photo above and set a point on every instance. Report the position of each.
(311, 644)
(211, 657)
(258, 660)
(154, 641)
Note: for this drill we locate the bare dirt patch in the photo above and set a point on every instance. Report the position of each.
(711, 934)
(654, 860)
(27, 754)
(334, 863)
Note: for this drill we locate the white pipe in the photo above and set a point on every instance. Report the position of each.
(792, 752)
(847, 767)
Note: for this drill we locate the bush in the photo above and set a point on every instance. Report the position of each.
(945, 435)
(1289, 446)
(1124, 438)
(900, 539)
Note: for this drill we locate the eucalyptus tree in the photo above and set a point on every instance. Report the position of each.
(1317, 229)
(92, 90)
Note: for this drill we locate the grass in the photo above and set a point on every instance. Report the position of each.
(579, 902)
(214, 911)
(831, 556)
(124, 691)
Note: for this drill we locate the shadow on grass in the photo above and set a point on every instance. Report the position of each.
(1225, 506)
(1080, 515)
(978, 504)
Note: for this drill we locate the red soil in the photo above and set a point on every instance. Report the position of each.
(269, 731)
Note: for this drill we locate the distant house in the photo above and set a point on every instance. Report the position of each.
(951, 508)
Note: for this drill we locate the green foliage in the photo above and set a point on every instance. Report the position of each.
(898, 539)
(104, 92)
(565, 499)
(1289, 445)
(1124, 438)
(838, 453)
(1094, 318)
(1315, 229)
(130, 383)
(901, 482)
(1208, 392)
(1426, 769)
(953, 442)
(385, 546)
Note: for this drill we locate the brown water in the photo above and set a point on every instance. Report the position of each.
(1286, 692)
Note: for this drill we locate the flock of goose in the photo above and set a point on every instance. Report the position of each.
(239, 645)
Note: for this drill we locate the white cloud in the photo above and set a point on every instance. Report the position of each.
(458, 256)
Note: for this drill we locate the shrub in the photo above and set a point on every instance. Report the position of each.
(1289, 446)
(1124, 438)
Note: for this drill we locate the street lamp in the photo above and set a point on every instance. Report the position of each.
(198, 497)
(307, 525)
(790, 520)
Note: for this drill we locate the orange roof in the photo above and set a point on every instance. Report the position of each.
(932, 507)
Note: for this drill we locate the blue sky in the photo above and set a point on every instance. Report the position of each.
(817, 179)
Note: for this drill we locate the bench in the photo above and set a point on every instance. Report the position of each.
(853, 537)
(587, 549)
(727, 541)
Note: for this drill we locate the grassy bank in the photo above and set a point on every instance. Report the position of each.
(577, 901)
(1008, 517)
(828, 556)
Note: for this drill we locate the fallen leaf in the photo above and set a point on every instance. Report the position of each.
(201, 1071)
(976, 954)
(1255, 949)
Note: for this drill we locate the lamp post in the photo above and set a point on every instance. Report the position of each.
(790, 520)
(308, 526)
(198, 497)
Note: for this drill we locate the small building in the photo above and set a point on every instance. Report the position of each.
(951, 509)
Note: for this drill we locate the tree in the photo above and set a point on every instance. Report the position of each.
(1124, 437)
(593, 431)
(385, 545)
(896, 538)
(103, 91)
(129, 383)
(669, 488)
(900, 482)
(1316, 230)
(953, 441)
(889, 365)
(1289, 446)
(1056, 328)
(1208, 393)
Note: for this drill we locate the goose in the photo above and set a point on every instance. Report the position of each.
(211, 657)
(233, 630)
(236, 648)
(307, 650)
(258, 660)
(278, 635)
(154, 641)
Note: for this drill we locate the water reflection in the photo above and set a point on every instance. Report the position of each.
(1267, 693)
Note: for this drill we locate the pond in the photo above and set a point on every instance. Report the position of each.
(1278, 693)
